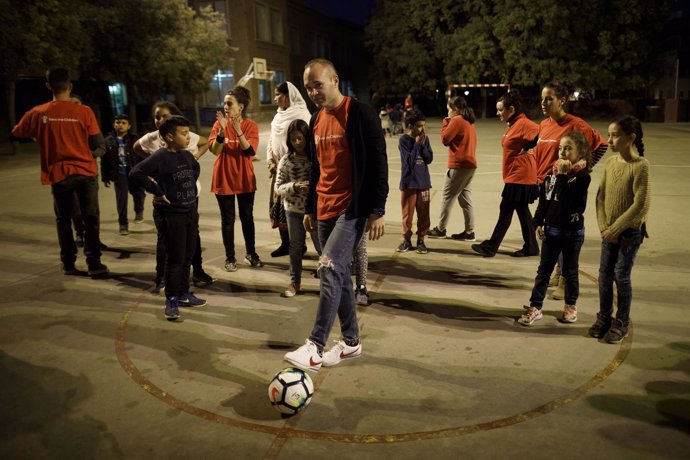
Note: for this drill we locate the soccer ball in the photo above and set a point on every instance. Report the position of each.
(290, 391)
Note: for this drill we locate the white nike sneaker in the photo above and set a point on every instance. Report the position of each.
(340, 352)
(305, 357)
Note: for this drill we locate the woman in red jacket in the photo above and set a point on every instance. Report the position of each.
(459, 135)
(554, 97)
(519, 176)
(234, 140)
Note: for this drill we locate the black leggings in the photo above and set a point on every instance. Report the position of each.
(245, 204)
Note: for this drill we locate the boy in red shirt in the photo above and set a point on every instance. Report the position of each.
(68, 134)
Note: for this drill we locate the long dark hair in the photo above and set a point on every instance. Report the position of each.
(301, 126)
(582, 146)
(242, 95)
(512, 99)
(561, 89)
(174, 110)
(459, 104)
(631, 125)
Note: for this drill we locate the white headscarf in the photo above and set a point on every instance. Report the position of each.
(281, 122)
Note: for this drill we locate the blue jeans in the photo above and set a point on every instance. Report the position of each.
(616, 265)
(295, 221)
(338, 237)
(559, 241)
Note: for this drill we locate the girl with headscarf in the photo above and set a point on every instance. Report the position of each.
(291, 107)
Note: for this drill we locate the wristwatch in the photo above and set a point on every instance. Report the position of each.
(379, 212)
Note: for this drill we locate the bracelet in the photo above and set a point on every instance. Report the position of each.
(240, 135)
(220, 139)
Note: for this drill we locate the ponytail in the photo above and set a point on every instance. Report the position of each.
(631, 125)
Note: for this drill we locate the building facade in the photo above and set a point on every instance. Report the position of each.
(286, 34)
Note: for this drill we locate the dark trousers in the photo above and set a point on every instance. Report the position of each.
(86, 190)
(160, 248)
(123, 187)
(77, 219)
(180, 232)
(505, 217)
(557, 241)
(245, 205)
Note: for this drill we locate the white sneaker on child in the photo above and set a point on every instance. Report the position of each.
(305, 357)
(341, 351)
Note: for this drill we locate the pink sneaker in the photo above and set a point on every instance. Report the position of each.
(569, 314)
(531, 315)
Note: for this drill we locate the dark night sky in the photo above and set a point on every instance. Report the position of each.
(356, 11)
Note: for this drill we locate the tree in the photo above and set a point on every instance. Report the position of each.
(150, 45)
(601, 44)
(26, 52)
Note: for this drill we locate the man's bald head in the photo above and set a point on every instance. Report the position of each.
(321, 82)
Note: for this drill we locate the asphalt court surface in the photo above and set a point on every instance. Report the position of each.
(443, 357)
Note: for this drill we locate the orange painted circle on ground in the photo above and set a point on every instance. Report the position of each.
(289, 432)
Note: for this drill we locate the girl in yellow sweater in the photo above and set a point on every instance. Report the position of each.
(622, 206)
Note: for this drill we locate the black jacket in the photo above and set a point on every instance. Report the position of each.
(369, 162)
(109, 162)
(172, 174)
(562, 201)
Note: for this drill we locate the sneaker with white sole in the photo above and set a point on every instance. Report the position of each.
(405, 246)
(362, 295)
(531, 315)
(230, 265)
(436, 233)
(292, 290)
(305, 357)
(569, 314)
(340, 352)
(188, 299)
(172, 311)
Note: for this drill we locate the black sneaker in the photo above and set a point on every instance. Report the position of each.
(124, 230)
(617, 332)
(481, 250)
(281, 251)
(158, 287)
(70, 270)
(201, 279)
(230, 265)
(139, 218)
(524, 253)
(421, 247)
(436, 233)
(253, 260)
(79, 240)
(98, 270)
(464, 236)
(600, 326)
(405, 246)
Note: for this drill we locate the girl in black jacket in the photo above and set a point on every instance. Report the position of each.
(559, 222)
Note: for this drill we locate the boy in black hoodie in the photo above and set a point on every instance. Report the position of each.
(170, 174)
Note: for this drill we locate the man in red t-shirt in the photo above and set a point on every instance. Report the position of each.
(67, 134)
(347, 194)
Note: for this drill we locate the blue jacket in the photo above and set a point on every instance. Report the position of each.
(414, 161)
